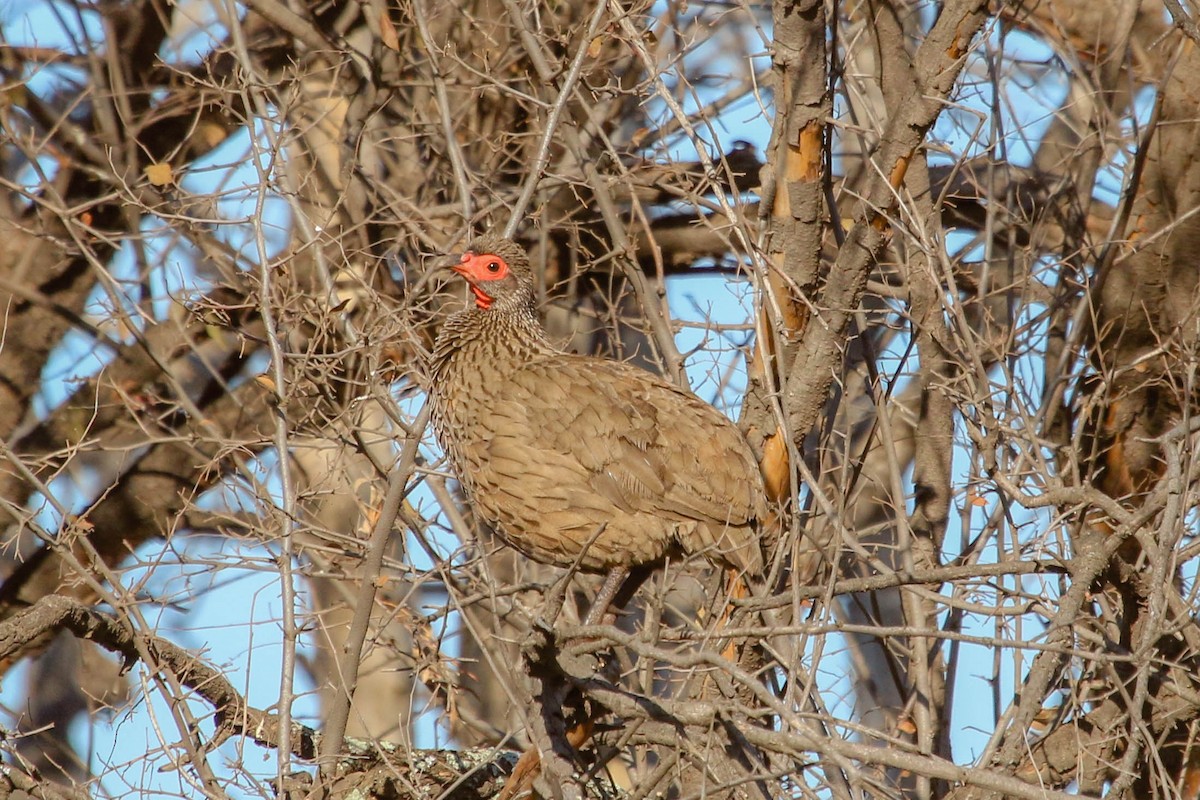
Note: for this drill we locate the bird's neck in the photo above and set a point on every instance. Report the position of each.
(479, 338)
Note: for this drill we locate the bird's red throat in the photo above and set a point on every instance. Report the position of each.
(482, 299)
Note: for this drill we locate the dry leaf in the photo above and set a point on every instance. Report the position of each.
(212, 132)
(387, 32)
(79, 524)
(159, 174)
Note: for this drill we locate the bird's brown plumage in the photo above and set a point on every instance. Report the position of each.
(576, 459)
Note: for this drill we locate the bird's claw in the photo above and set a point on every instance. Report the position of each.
(540, 643)
(583, 666)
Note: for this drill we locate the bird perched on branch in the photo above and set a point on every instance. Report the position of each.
(582, 460)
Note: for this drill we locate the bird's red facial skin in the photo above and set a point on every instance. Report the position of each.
(480, 268)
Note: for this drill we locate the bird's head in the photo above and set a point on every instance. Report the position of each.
(497, 270)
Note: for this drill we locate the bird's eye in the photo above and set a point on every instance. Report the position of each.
(493, 266)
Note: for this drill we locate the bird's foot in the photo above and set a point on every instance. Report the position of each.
(541, 648)
(545, 652)
(586, 664)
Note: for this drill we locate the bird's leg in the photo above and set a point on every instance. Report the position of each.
(604, 598)
(617, 590)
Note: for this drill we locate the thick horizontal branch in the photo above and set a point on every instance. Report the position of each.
(918, 577)
(232, 715)
(16, 784)
(366, 767)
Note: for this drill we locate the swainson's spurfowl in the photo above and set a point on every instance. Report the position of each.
(582, 460)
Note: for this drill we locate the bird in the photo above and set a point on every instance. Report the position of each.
(579, 461)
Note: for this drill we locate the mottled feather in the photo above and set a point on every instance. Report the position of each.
(573, 458)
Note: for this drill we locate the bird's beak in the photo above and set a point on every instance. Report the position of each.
(446, 263)
(456, 264)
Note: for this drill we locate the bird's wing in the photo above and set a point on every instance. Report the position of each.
(639, 442)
